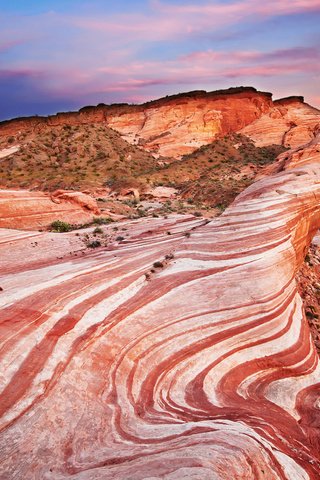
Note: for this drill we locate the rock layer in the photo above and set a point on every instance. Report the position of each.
(32, 210)
(182, 124)
(170, 356)
(290, 122)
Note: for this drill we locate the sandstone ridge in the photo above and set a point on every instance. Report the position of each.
(173, 125)
(179, 124)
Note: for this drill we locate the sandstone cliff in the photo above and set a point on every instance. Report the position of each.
(170, 126)
(290, 122)
(179, 124)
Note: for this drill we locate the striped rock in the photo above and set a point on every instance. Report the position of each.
(200, 366)
(290, 122)
(32, 210)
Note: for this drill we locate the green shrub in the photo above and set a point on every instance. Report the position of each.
(94, 244)
(60, 226)
(158, 265)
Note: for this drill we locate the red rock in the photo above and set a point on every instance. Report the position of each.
(180, 124)
(83, 200)
(169, 126)
(23, 209)
(114, 367)
(290, 122)
(161, 192)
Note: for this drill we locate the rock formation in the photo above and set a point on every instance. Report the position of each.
(179, 124)
(171, 126)
(290, 122)
(170, 356)
(33, 210)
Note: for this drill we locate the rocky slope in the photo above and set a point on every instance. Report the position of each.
(109, 373)
(216, 173)
(79, 157)
(181, 124)
(308, 279)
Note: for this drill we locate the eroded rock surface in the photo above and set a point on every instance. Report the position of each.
(180, 125)
(31, 210)
(182, 352)
(290, 122)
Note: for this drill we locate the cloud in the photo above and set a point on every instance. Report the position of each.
(6, 46)
(167, 21)
(94, 58)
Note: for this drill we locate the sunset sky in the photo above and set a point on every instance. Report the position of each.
(64, 54)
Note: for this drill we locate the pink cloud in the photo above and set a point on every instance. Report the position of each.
(6, 46)
(244, 7)
(102, 54)
(166, 21)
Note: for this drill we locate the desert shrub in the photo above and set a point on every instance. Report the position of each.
(100, 155)
(102, 220)
(94, 244)
(158, 265)
(60, 226)
(98, 230)
(141, 212)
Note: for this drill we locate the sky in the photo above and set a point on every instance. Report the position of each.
(64, 54)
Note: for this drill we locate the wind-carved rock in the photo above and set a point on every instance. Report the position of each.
(182, 123)
(290, 122)
(198, 366)
(33, 209)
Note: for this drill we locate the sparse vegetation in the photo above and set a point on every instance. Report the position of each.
(102, 220)
(94, 244)
(158, 264)
(89, 156)
(60, 226)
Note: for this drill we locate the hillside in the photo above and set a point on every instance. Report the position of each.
(78, 157)
(170, 126)
(216, 173)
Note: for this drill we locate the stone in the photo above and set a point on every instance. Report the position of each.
(204, 368)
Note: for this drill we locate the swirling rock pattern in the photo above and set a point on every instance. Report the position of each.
(201, 366)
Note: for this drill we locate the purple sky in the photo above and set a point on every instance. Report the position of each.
(61, 55)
